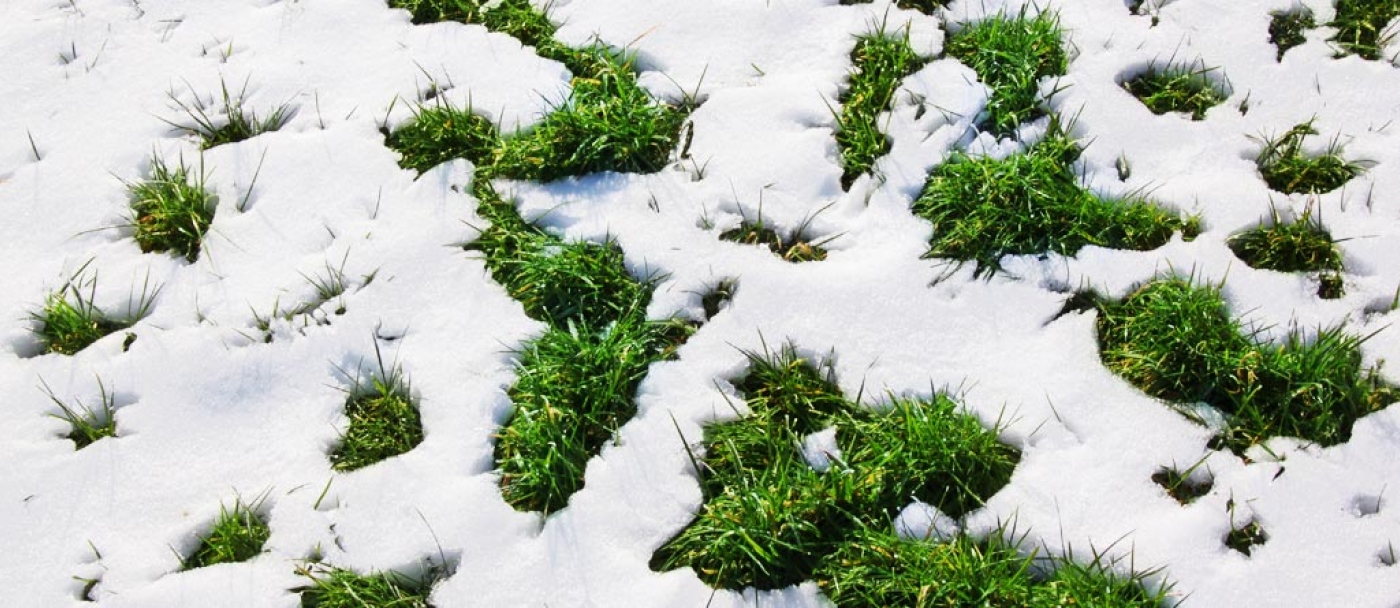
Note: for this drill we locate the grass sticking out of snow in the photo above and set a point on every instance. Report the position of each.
(924, 6)
(1181, 486)
(1286, 168)
(238, 535)
(1299, 246)
(1011, 55)
(1176, 341)
(237, 124)
(384, 420)
(1188, 89)
(69, 320)
(1361, 26)
(608, 123)
(341, 588)
(1288, 29)
(770, 519)
(795, 248)
(878, 569)
(172, 209)
(881, 61)
(1245, 538)
(1031, 202)
(86, 425)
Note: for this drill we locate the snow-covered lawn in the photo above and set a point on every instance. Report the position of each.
(327, 264)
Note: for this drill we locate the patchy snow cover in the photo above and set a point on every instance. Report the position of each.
(209, 412)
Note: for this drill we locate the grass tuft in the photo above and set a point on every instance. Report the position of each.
(1177, 88)
(1285, 168)
(1245, 538)
(172, 209)
(1177, 342)
(880, 63)
(1288, 29)
(924, 6)
(1361, 27)
(794, 248)
(238, 123)
(86, 425)
(771, 520)
(238, 535)
(439, 133)
(1181, 486)
(1031, 202)
(343, 588)
(384, 420)
(1011, 55)
(69, 321)
(1298, 246)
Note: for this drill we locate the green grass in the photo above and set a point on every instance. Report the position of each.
(1361, 27)
(238, 535)
(796, 247)
(1177, 341)
(342, 588)
(1180, 486)
(771, 520)
(1286, 168)
(1011, 55)
(384, 420)
(880, 63)
(1188, 89)
(1245, 538)
(69, 321)
(172, 209)
(1031, 202)
(237, 123)
(608, 122)
(86, 425)
(1299, 246)
(1288, 29)
(879, 569)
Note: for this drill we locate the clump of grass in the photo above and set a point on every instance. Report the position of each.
(1176, 341)
(1031, 202)
(70, 321)
(343, 588)
(608, 123)
(1303, 245)
(1285, 168)
(238, 535)
(880, 63)
(439, 133)
(1245, 538)
(924, 6)
(238, 122)
(1188, 89)
(1288, 29)
(384, 420)
(1330, 285)
(772, 520)
(86, 425)
(1361, 27)
(718, 296)
(172, 209)
(1011, 55)
(879, 569)
(794, 248)
(1181, 486)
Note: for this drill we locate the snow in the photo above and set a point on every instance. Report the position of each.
(209, 413)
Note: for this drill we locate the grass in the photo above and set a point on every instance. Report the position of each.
(1286, 168)
(1032, 202)
(172, 209)
(878, 569)
(924, 6)
(69, 321)
(238, 535)
(1303, 245)
(1011, 55)
(1361, 27)
(1180, 486)
(794, 247)
(342, 588)
(1288, 29)
(237, 124)
(880, 63)
(1245, 538)
(771, 520)
(86, 425)
(384, 420)
(1188, 89)
(1176, 341)
(608, 122)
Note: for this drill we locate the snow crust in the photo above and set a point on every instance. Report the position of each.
(209, 413)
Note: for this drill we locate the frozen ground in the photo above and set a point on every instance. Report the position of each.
(209, 412)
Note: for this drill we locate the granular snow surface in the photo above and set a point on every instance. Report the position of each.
(208, 412)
